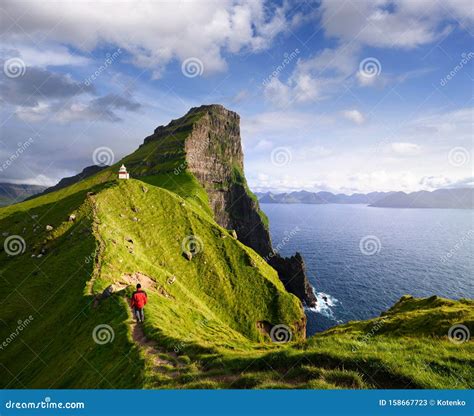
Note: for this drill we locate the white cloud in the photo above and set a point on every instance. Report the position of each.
(154, 34)
(355, 116)
(386, 23)
(405, 149)
(404, 24)
(43, 56)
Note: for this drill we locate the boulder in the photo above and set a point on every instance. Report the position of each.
(187, 255)
(49, 228)
(72, 218)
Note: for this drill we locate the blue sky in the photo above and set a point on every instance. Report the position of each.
(333, 95)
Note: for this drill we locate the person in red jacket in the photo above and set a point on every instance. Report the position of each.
(139, 300)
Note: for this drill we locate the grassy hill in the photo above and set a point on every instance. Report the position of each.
(216, 310)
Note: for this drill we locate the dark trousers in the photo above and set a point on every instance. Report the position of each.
(139, 314)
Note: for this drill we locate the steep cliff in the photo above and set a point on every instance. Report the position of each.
(210, 135)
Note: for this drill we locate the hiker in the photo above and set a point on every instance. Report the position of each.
(139, 300)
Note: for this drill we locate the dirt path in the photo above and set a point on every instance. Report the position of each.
(153, 352)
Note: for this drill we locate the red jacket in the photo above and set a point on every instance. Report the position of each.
(139, 299)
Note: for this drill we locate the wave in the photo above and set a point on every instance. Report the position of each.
(324, 305)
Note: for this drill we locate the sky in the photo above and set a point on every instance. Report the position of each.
(341, 96)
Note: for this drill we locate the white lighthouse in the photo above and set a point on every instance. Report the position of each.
(122, 173)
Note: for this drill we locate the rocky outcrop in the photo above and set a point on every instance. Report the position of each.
(213, 153)
(292, 273)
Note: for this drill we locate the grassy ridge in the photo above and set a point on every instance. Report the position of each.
(201, 325)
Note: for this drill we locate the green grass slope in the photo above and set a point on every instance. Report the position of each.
(209, 303)
(205, 317)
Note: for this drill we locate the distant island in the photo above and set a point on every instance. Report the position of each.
(459, 198)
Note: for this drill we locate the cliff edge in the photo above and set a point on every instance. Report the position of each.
(211, 138)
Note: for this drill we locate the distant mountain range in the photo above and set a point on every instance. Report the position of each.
(462, 198)
(11, 193)
(70, 180)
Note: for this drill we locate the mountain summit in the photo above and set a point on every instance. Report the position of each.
(207, 143)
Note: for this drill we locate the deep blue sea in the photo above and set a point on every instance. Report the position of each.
(362, 259)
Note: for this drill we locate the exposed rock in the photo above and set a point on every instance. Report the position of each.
(162, 291)
(214, 156)
(49, 228)
(292, 273)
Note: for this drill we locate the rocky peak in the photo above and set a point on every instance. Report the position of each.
(210, 135)
(214, 155)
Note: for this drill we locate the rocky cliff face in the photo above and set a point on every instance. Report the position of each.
(213, 153)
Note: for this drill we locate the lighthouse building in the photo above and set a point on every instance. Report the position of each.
(122, 173)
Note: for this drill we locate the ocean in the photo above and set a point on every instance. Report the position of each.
(361, 260)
